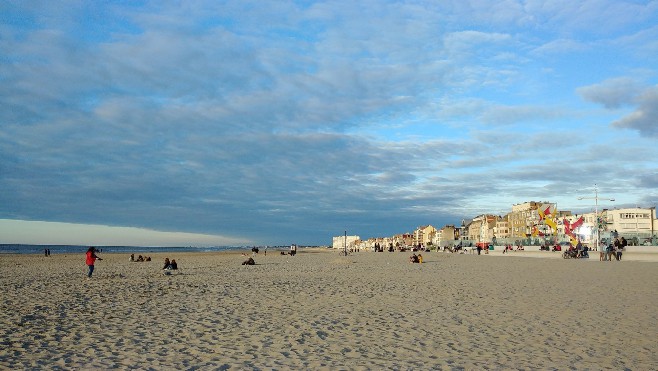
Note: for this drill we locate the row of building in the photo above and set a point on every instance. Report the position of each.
(526, 224)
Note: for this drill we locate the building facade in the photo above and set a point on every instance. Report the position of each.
(447, 236)
(341, 242)
(637, 225)
(424, 235)
(523, 218)
(501, 230)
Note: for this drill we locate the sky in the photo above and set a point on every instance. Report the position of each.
(244, 122)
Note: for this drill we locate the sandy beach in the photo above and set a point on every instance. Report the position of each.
(319, 310)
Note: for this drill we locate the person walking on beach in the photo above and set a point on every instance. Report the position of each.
(91, 259)
(622, 246)
(613, 251)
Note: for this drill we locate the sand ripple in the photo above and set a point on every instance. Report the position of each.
(321, 311)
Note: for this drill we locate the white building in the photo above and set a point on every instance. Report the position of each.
(629, 223)
(341, 242)
(632, 222)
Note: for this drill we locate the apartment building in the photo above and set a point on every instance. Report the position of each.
(424, 235)
(341, 242)
(523, 218)
(502, 229)
(403, 239)
(480, 229)
(447, 236)
(631, 223)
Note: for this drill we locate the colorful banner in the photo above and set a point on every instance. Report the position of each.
(570, 229)
(547, 214)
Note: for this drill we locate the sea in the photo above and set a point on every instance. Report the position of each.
(75, 249)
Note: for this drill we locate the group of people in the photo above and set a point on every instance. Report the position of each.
(170, 265)
(509, 247)
(416, 258)
(576, 252)
(455, 249)
(139, 258)
(292, 252)
(614, 250)
(91, 258)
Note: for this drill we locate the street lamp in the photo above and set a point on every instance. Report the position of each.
(461, 233)
(596, 211)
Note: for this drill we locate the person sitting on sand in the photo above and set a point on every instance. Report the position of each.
(420, 258)
(249, 261)
(140, 259)
(167, 264)
(173, 264)
(579, 250)
(132, 258)
(148, 259)
(413, 258)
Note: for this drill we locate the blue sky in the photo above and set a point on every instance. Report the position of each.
(240, 122)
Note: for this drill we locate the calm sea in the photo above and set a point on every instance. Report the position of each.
(72, 249)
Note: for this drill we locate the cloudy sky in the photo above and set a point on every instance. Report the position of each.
(277, 122)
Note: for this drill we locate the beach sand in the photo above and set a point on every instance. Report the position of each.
(319, 310)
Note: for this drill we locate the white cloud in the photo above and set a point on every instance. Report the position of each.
(470, 39)
(560, 46)
(507, 115)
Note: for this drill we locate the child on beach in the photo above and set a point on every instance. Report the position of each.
(91, 259)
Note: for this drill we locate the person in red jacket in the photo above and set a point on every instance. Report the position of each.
(91, 259)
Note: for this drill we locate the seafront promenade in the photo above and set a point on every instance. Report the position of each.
(634, 253)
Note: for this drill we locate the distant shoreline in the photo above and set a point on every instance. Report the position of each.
(27, 249)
